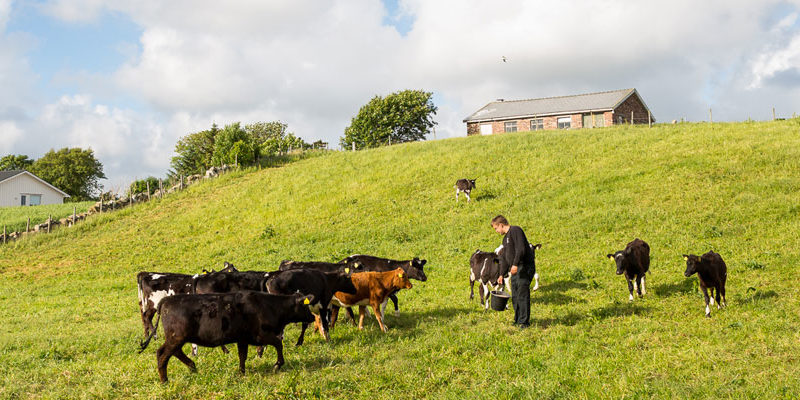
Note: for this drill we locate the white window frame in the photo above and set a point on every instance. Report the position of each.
(537, 126)
(562, 120)
(513, 128)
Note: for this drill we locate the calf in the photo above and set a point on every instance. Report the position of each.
(372, 288)
(318, 265)
(321, 285)
(153, 288)
(466, 186)
(413, 268)
(634, 262)
(534, 247)
(485, 267)
(211, 320)
(712, 274)
(226, 282)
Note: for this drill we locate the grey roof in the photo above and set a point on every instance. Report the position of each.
(8, 174)
(602, 101)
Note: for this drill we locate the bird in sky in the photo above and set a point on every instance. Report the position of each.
(504, 58)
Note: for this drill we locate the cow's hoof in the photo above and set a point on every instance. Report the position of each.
(397, 313)
(708, 315)
(276, 367)
(535, 288)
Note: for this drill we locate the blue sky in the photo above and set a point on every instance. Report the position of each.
(129, 78)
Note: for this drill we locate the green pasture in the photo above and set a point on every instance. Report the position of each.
(15, 219)
(71, 326)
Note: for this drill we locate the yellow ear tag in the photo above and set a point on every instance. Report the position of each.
(685, 258)
(306, 302)
(400, 274)
(347, 270)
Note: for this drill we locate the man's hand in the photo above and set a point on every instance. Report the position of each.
(514, 270)
(500, 280)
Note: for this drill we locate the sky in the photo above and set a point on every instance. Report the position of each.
(128, 78)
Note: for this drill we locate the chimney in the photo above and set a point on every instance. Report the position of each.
(500, 99)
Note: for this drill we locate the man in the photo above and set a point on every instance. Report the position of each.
(516, 253)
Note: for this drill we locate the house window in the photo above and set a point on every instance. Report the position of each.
(511, 126)
(22, 200)
(486, 129)
(35, 199)
(537, 124)
(564, 122)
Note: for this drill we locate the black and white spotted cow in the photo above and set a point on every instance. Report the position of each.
(485, 268)
(712, 274)
(534, 247)
(464, 185)
(634, 262)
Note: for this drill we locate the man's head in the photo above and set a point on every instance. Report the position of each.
(500, 224)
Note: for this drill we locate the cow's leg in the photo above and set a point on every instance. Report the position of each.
(471, 288)
(323, 317)
(536, 278)
(644, 291)
(456, 194)
(194, 350)
(180, 355)
(162, 359)
(466, 193)
(722, 292)
(711, 295)
(486, 294)
(393, 297)
(351, 315)
(278, 345)
(147, 322)
(705, 295)
(507, 282)
(334, 316)
(242, 347)
(639, 286)
(379, 316)
(718, 298)
(224, 349)
(362, 310)
(630, 289)
(303, 327)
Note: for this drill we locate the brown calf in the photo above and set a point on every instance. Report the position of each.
(372, 288)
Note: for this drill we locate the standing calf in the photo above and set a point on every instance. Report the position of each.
(372, 288)
(466, 186)
(712, 274)
(634, 262)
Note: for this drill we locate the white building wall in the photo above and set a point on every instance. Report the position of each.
(11, 189)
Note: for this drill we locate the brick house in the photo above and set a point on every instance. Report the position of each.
(592, 110)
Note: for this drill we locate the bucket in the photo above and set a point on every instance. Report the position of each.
(499, 300)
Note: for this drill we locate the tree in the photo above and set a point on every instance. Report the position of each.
(399, 117)
(13, 162)
(75, 171)
(233, 145)
(140, 186)
(273, 139)
(194, 152)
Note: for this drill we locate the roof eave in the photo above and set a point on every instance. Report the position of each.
(38, 179)
(549, 114)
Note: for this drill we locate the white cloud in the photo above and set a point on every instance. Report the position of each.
(9, 135)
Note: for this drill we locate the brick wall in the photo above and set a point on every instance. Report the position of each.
(624, 110)
(576, 120)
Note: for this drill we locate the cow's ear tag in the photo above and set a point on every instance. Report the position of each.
(306, 302)
(685, 258)
(400, 274)
(347, 270)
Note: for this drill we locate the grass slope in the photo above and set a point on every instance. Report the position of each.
(71, 324)
(16, 218)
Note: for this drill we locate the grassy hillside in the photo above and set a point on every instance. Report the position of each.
(16, 218)
(71, 323)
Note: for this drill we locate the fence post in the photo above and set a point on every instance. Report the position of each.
(49, 218)
(130, 195)
(354, 146)
(28, 227)
(74, 214)
(631, 117)
(160, 188)
(649, 120)
(148, 190)
(181, 186)
(101, 203)
(773, 113)
(4, 234)
(710, 116)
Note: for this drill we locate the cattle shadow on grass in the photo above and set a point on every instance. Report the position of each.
(410, 323)
(619, 309)
(485, 196)
(684, 286)
(563, 286)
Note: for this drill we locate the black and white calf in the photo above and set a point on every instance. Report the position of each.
(634, 262)
(466, 186)
(534, 247)
(712, 274)
(485, 268)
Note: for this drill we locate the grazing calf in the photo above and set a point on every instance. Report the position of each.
(466, 186)
(372, 288)
(321, 285)
(211, 320)
(634, 262)
(712, 274)
(414, 268)
(534, 247)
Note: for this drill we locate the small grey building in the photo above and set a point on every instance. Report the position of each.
(591, 110)
(22, 188)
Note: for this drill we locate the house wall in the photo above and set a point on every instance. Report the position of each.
(12, 188)
(632, 103)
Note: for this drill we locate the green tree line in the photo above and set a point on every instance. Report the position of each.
(73, 170)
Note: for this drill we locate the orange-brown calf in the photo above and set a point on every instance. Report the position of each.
(372, 288)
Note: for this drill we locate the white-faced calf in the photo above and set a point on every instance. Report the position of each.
(633, 262)
(712, 274)
(466, 186)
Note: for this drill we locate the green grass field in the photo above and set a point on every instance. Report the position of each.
(69, 302)
(15, 219)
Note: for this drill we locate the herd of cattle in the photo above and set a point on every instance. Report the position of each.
(253, 307)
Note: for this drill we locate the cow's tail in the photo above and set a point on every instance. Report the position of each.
(143, 344)
(139, 278)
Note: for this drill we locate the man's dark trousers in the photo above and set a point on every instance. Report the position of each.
(521, 298)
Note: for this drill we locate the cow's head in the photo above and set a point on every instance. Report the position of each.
(692, 261)
(401, 279)
(301, 307)
(228, 267)
(415, 269)
(619, 258)
(471, 183)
